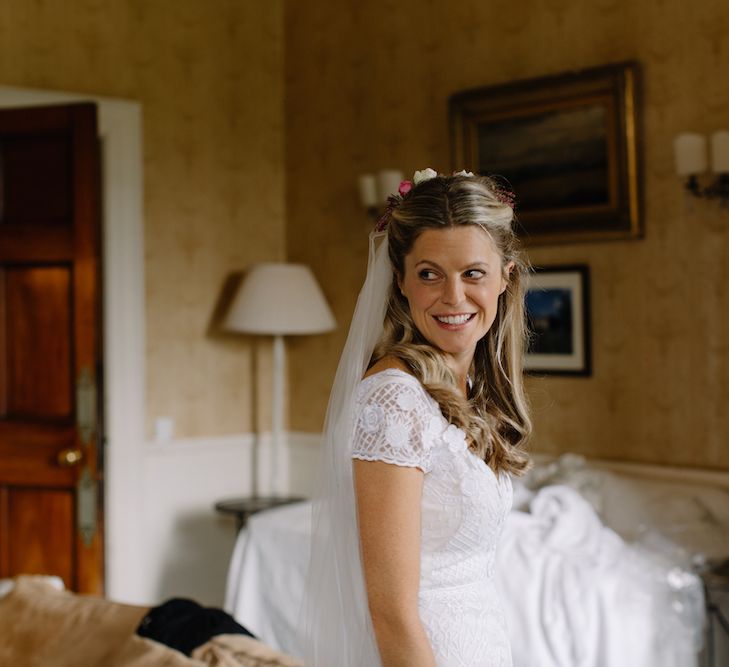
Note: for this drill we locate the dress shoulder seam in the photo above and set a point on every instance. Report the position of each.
(388, 377)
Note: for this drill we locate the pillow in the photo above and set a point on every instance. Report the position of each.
(241, 651)
(44, 626)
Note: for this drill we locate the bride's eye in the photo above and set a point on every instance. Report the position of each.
(427, 274)
(474, 274)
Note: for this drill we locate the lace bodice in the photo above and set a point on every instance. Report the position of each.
(463, 508)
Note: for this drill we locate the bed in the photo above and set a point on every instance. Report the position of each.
(598, 566)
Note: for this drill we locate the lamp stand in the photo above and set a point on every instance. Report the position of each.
(279, 470)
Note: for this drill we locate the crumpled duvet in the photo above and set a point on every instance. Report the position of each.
(562, 575)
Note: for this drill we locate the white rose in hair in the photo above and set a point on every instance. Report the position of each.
(424, 175)
(463, 172)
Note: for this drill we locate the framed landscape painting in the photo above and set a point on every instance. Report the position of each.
(567, 145)
(558, 312)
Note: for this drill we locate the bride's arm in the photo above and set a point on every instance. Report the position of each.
(388, 508)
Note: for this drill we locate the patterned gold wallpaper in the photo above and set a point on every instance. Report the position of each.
(209, 76)
(367, 85)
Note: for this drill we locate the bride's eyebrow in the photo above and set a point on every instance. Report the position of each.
(472, 265)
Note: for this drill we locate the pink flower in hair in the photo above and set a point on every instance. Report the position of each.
(506, 196)
(405, 187)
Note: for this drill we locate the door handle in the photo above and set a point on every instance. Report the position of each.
(67, 458)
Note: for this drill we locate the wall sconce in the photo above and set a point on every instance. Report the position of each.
(374, 189)
(690, 150)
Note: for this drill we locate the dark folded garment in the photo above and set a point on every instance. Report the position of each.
(184, 624)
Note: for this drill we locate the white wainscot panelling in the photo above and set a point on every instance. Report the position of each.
(304, 451)
(187, 543)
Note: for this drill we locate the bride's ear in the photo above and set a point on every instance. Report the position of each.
(505, 276)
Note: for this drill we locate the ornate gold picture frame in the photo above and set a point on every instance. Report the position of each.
(568, 145)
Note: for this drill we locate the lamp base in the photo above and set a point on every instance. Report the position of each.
(270, 466)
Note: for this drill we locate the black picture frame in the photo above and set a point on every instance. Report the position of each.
(567, 144)
(558, 312)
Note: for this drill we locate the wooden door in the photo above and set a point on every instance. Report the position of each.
(50, 345)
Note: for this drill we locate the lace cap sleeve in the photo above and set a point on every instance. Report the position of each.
(394, 423)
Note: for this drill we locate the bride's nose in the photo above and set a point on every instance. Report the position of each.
(453, 292)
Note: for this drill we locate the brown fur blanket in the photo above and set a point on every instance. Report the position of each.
(41, 626)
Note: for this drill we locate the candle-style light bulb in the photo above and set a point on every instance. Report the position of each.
(367, 190)
(388, 182)
(690, 152)
(720, 152)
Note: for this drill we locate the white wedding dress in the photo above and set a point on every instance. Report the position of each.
(464, 505)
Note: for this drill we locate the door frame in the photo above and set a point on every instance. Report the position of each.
(122, 223)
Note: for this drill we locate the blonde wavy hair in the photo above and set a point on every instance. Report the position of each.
(495, 416)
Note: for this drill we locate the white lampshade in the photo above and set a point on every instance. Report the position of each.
(278, 298)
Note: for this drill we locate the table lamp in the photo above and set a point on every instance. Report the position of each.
(278, 299)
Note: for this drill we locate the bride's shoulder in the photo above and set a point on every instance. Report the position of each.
(390, 387)
(388, 363)
(389, 376)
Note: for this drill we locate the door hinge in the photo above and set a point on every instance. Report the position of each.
(86, 499)
(86, 406)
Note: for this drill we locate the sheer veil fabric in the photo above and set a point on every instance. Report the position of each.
(335, 626)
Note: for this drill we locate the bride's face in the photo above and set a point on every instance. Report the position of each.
(452, 282)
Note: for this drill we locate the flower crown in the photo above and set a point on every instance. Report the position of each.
(504, 195)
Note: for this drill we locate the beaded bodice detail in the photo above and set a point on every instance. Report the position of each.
(463, 508)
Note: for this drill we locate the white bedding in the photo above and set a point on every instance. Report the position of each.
(575, 592)
(267, 572)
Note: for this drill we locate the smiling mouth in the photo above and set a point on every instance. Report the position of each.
(455, 319)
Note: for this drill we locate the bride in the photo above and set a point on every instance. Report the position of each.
(427, 421)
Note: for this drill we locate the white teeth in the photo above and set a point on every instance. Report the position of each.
(454, 319)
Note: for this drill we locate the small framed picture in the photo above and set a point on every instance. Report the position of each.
(558, 312)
